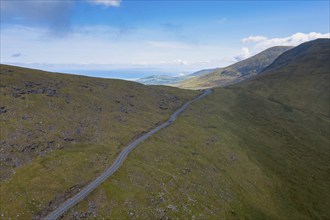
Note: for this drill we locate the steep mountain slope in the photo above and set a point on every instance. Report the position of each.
(297, 75)
(237, 154)
(235, 73)
(59, 131)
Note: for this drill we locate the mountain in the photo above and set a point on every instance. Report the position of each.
(202, 72)
(297, 75)
(236, 72)
(254, 150)
(59, 131)
(169, 80)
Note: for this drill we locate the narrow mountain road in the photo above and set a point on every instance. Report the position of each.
(119, 160)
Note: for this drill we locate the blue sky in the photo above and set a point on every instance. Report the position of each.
(130, 39)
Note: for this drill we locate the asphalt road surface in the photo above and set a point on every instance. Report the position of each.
(119, 160)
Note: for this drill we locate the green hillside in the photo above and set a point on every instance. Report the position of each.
(235, 73)
(256, 150)
(299, 78)
(59, 131)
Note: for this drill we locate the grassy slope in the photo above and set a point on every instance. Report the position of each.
(59, 131)
(239, 153)
(298, 78)
(237, 72)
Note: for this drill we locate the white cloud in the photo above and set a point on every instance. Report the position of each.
(107, 3)
(180, 62)
(245, 53)
(293, 40)
(254, 39)
(103, 49)
(54, 15)
(182, 74)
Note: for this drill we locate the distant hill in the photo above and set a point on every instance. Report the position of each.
(255, 150)
(161, 80)
(169, 80)
(236, 72)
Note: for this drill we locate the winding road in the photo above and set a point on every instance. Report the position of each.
(119, 160)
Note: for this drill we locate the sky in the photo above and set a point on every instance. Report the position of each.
(130, 39)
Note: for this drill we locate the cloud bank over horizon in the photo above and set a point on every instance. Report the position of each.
(262, 42)
(172, 36)
(128, 53)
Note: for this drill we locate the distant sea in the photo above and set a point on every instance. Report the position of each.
(130, 74)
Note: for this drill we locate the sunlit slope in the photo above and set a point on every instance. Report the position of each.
(235, 73)
(236, 154)
(59, 131)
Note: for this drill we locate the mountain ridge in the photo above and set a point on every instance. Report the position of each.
(236, 72)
